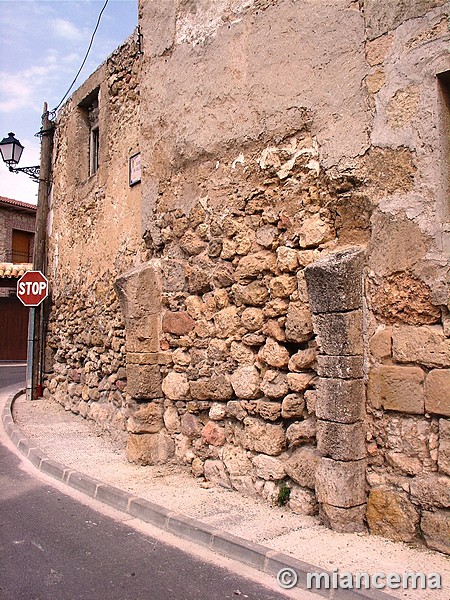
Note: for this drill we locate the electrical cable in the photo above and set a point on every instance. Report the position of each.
(85, 58)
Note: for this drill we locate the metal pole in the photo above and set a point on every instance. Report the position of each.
(40, 245)
(30, 352)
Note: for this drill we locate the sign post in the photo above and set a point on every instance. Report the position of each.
(32, 288)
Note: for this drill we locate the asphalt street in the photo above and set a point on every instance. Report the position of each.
(53, 547)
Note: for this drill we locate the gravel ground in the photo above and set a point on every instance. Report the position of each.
(77, 443)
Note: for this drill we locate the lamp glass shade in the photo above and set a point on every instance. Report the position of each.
(11, 149)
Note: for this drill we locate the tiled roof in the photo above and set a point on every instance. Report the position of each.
(16, 271)
(17, 203)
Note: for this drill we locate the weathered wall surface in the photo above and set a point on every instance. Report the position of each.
(94, 234)
(279, 154)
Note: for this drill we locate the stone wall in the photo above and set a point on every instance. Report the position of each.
(94, 235)
(282, 274)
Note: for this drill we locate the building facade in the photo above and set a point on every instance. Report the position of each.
(17, 224)
(248, 252)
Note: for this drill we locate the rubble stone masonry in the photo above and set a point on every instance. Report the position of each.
(269, 307)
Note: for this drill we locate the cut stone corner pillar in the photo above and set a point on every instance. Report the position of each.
(335, 293)
(139, 291)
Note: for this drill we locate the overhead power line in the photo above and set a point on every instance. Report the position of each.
(85, 57)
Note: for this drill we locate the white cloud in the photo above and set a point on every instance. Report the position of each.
(66, 30)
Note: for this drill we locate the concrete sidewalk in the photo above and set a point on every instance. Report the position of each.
(69, 448)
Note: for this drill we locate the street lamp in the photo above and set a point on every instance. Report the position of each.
(11, 150)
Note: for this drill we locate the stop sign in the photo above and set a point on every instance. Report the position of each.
(32, 288)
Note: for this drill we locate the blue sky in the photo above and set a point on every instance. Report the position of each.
(42, 46)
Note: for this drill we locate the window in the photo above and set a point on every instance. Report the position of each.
(89, 110)
(22, 246)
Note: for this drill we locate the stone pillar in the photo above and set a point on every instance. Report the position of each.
(335, 293)
(139, 292)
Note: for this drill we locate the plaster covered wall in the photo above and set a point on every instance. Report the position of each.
(280, 141)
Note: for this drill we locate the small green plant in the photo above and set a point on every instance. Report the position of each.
(284, 494)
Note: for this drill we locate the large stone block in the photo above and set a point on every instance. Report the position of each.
(139, 290)
(215, 388)
(343, 520)
(150, 448)
(148, 418)
(341, 484)
(341, 441)
(431, 491)
(263, 437)
(437, 392)
(391, 514)
(335, 282)
(426, 345)
(144, 381)
(435, 528)
(340, 367)
(340, 400)
(143, 333)
(339, 334)
(397, 388)
(302, 466)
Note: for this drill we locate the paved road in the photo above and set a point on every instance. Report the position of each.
(11, 373)
(53, 547)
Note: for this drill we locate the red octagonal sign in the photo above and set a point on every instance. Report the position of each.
(32, 288)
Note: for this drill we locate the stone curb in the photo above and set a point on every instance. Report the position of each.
(250, 553)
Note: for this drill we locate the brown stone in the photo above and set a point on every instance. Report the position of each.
(144, 381)
(263, 437)
(381, 343)
(270, 411)
(252, 319)
(302, 466)
(227, 322)
(302, 359)
(435, 528)
(341, 484)
(274, 354)
(177, 323)
(150, 448)
(142, 333)
(339, 334)
(214, 471)
(426, 345)
(437, 392)
(391, 514)
(400, 298)
(148, 418)
(343, 520)
(431, 491)
(175, 386)
(253, 294)
(282, 286)
(216, 388)
(341, 441)
(251, 266)
(298, 326)
(335, 282)
(236, 460)
(340, 367)
(293, 406)
(397, 388)
(300, 431)
(377, 50)
(213, 434)
(340, 400)
(302, 501)
(246, 382)
(269, 467)
(274, 384)
(299, 382)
